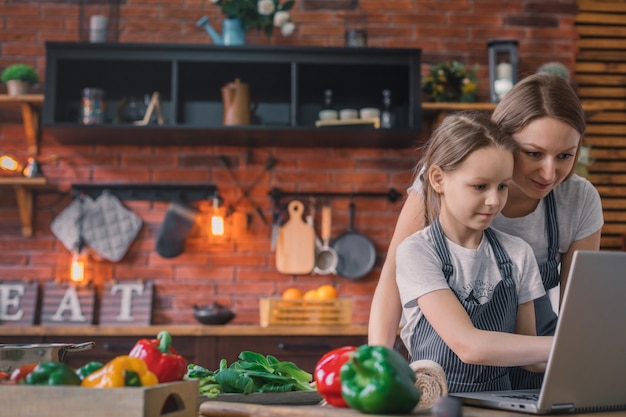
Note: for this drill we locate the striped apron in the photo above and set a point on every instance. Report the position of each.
(498, 314)
(545, 318)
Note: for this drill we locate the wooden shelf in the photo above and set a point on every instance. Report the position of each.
(30, 105)
(24, 195)
(441, 109)
(335, 136)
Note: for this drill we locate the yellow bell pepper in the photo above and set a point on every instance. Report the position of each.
(122, 371)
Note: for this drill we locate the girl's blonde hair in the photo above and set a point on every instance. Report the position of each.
(458, 136)
(541, 95)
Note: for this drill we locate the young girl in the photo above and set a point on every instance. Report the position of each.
(467, 289)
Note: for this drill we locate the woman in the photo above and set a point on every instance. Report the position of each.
(555, 211)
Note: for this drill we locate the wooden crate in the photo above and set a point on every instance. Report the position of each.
(174, 399)
(276, 311)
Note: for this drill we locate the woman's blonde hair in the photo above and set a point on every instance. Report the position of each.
(458, 136)
(540, 95)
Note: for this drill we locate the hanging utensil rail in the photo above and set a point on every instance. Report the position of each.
(277, 194)
(150, 192)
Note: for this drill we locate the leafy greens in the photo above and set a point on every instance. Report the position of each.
(253, 372)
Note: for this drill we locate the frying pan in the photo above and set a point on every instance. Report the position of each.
(355, 252)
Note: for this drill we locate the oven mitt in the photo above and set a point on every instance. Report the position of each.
(66, 225)
(109, 228)
(178, 222)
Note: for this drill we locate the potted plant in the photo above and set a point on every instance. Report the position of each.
(244, 15)
(19, 78)
(451, 82)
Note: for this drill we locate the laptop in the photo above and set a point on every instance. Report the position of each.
(586, 369)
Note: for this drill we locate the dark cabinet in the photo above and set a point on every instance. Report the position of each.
(203, 350)
(286, 88)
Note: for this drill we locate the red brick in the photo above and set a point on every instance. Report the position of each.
(18, 10)
(17, 35)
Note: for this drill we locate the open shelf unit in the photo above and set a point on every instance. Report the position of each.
(286, 86)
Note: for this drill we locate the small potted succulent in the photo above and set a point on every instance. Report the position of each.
(19, 78)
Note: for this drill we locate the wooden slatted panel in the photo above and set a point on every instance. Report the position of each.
(127, 303)
(601, 78)
(64, 305)
(22, 298)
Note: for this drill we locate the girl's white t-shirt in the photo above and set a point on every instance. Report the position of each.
(475, 273)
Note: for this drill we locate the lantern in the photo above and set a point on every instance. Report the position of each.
(502, 67)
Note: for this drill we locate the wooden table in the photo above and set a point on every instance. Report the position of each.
(228, 409)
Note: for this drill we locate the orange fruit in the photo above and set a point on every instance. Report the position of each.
(327, 292)
(292, 294)
(311, 295)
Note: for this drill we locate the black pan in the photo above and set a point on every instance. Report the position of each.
(356, 253)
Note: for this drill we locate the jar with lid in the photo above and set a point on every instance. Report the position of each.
(92, 106)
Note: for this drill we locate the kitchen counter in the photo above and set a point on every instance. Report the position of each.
(184, 330)
(228, 409)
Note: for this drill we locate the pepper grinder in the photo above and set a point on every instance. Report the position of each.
(386, 116)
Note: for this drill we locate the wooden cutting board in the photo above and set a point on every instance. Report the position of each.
(295, 247)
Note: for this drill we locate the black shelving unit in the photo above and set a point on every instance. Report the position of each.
(286, 84)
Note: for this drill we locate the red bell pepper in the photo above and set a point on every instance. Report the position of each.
(22, 372)
(161, 358)
(327, 375)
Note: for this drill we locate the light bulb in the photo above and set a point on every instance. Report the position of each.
(217, 224)
(78, 269)
(217, 219)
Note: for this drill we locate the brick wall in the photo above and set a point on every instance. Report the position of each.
(239, 269)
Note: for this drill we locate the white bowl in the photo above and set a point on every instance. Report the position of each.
(369, 113)
(328, 115)
(347, 114)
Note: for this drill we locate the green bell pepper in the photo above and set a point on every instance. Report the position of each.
(53, 373)
(88, 368)
(378, 380)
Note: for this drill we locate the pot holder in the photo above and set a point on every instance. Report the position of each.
(109, 228)
(66, 226)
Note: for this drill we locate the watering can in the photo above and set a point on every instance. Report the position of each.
(237, 105)
(233, 32)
